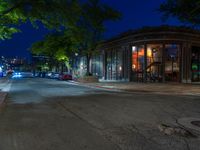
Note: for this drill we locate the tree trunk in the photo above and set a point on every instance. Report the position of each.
(62, 67)
(88, 64)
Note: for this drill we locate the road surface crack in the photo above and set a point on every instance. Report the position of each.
(77, 116)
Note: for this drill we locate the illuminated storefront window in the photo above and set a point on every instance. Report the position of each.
(154, 62)
(138, 63)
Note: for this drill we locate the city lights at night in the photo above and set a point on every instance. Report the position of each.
(99, 74)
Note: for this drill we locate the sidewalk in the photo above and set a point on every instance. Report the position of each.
(3, 95)
(159, 88)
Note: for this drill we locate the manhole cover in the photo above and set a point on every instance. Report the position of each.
(196, 123)
(191, 123)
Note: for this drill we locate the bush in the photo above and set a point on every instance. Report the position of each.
(88, 74)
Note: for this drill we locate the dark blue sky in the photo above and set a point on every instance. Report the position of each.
(136, 14)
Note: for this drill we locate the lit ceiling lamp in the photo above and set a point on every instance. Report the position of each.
(154, 50)
(133, 48)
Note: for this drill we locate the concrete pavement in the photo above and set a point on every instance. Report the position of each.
(50, 114)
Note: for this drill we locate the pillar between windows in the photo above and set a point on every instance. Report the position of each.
(145, 63)
(163, 62)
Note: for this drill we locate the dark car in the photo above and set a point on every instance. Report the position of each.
(65, 76)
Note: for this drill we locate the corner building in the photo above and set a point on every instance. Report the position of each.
(152, 54)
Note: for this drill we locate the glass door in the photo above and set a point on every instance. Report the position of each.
(172, 71)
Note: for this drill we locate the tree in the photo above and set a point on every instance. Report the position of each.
(58, 47)
(187, 11)
(91, 26)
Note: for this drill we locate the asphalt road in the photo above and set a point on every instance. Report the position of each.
(44, 114)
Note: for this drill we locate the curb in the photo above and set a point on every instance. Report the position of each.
(106, 88)
(114, 88)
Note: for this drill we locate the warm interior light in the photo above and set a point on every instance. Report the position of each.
(141, 52)
(149, 53)
(134, 66)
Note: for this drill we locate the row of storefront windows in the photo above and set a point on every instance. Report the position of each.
(151, 62)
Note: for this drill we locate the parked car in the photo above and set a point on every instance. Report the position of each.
(49, 74)
(36, 74)
(55, 75)
(65, 76)
(1, 74)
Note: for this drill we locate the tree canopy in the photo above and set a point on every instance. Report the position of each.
(53, 14)
(187, 11)
(82, 33)
(58, 46)
(8, 20)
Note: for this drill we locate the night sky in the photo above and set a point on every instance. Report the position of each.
(136, 14)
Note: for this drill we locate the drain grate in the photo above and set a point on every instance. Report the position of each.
(196, 123)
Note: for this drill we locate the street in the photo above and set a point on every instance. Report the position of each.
(44, 114)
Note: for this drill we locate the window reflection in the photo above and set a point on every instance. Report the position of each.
(97, 65)
(114, 65)
(109, 66)
(172, 62)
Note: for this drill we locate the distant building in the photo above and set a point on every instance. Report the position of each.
(152, 54)
(13, 63)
